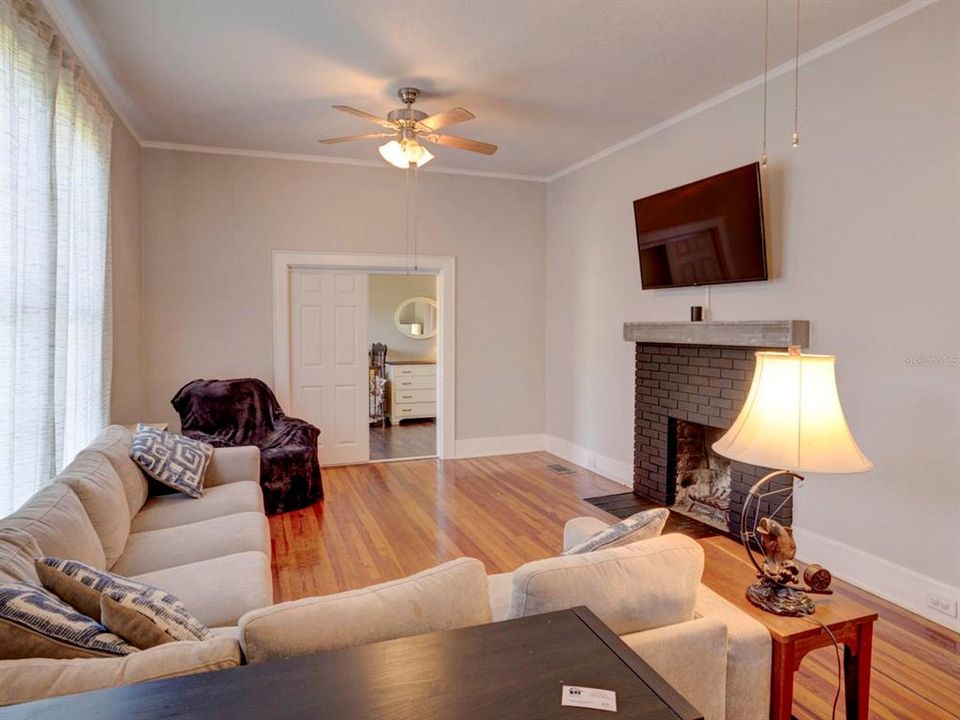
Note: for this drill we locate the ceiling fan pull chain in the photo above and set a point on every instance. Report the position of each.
(766, 55)
(796, 85)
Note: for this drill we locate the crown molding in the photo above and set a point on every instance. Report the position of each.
(838, 42)
(70, 21)
(304, 157)
(83, 43)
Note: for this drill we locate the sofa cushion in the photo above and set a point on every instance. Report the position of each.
(114, 444)
(37, 678)
(96, 483)
(173, 510)
(647, 584)
(221, 590)
(175, 460)
(36, 623)
(18, 551)
(168, 547)
(449, 596)
(57, 521)
(639, 526)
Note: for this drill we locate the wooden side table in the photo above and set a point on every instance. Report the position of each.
(728, 573)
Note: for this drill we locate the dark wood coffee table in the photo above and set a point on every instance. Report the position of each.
(511, 670)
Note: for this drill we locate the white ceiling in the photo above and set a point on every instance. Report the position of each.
(552, 82)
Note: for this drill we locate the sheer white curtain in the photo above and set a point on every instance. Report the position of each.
(55, 354)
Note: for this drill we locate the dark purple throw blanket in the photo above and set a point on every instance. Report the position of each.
(228, 413)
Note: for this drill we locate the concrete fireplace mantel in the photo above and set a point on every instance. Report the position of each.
(743, 333)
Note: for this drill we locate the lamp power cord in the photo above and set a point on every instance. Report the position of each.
(836, 647)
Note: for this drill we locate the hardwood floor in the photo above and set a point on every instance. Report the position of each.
(409, 439)
(384, 521)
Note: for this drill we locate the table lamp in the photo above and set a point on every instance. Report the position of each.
(791, 419)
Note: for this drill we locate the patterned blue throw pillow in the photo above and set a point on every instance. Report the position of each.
(35, 623)
(645, 524)
(177, 461)
(82, 585)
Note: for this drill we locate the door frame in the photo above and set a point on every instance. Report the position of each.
(442, 266)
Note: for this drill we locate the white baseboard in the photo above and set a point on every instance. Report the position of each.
(506, 445)
(601, 464)
(900, 585)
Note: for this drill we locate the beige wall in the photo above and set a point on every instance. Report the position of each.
(126, 388)
(386, 293)
(211, 222)
(865, 238)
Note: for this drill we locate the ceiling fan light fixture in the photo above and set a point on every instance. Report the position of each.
(402, 155)
(393, 154)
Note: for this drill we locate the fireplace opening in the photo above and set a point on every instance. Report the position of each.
(701, 479)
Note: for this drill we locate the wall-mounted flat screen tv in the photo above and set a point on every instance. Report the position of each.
(704, 233)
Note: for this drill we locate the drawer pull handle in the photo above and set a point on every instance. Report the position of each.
(406, 397)
(406, 383)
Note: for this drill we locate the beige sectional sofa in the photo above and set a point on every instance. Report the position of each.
(212, 552)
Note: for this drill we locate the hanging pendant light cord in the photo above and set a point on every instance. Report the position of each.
(796, 85)
(416, 211)
(766, 44)
(406, 246)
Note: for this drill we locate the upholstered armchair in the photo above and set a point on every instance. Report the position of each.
(230, 413)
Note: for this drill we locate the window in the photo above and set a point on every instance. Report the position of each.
(54, 256)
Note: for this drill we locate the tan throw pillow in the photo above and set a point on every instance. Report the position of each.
(83, 587)
(35, 623)
(138, 630)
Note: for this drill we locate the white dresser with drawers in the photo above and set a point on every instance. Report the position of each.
(411, 391)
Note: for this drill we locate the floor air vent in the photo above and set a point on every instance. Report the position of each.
(560, 469)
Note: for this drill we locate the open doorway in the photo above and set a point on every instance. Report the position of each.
(322, 349)
(402, 328)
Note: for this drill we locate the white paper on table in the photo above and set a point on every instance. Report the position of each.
(584, 697)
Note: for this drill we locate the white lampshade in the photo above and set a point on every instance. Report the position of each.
(792, 419)
(401, 156)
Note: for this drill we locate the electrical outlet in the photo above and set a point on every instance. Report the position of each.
(947, 606)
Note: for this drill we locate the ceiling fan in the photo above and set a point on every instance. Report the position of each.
(407, 127)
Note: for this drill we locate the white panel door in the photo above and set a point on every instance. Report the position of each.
(328, 360)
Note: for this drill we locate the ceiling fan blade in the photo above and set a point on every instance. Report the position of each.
(462, 143)
(351, 138)
(364, 115)
(449, 117)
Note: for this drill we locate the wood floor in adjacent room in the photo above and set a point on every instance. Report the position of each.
(384, 521)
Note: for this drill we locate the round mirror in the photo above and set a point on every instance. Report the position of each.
(416, 317)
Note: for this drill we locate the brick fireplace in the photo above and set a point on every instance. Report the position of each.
(687, 392)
